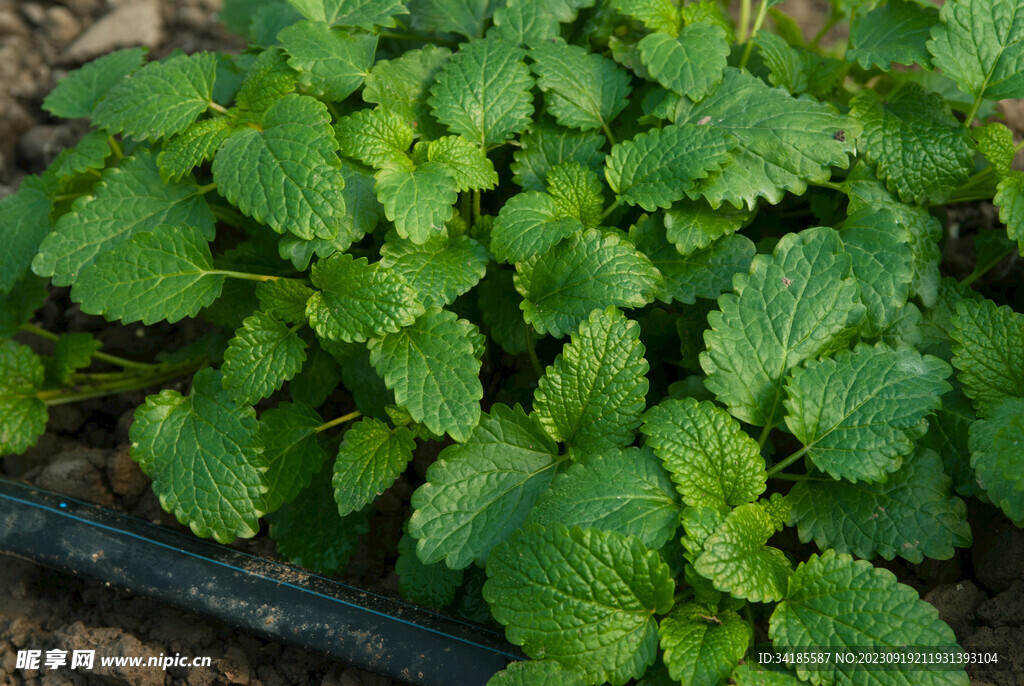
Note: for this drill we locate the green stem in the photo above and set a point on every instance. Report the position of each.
(779, 466)
(980, 271)
(339, 420)
(798, 477)
(62, 396)
(974, 111)
(465, 208)
(608, 133)
(103, 357)
(763, 438)
(251, 277)
(762, 12)
(203, 190)
(611, 208)
(840, 187)
(219, 109)
(741, 35)
(228, 215)
(418, 37)
(476, 205)
(531, 349)
(115, 147)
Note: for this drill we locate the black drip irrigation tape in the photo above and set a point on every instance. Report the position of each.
(275, 600)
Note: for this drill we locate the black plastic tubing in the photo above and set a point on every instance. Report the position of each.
(275, 600)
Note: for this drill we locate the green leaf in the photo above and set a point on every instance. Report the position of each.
(794, 305)
(366, 14)
(577, 192)
(499, 308)
(293, 452)
(129, 199)
(750, 673)
(920, 149)
(997, 458)
(859, 413)
(358, 300)
(433, 368)
(530, 672)
(659, 166)
(438, 271)
(530, 224)
(798, 69)
(478, 492)
(402, 85)
(22, 414)
(332, 63)
(783, 142)
(309, 532)
(701, 274)
(583, 90)
(378, 138)
(285, 173)
(525, 22)
(948, 431)
(882, 262)
(711, 460)
(418, 202)
(284, 299)
(625, 491)
(71, 352)
(588, 271)
(692, 63)
(910, 514)
(28, 294)
(597, 618)
(657, 15)
(711, 12)
(702, 645)
(160, 99)
(980, 45)
(193, 146)
(26, 227)
(465, 17)
(90, 153)
(897, 31)
(548, 145)
(592, 396)
(483, 92)
(205, 457)
(1010, 201)
(694, 225)
(834, 602)
(77, 93)
(988, 349)
(263, 355)
(995, 142)
(167, 274)
(737, 561)
(267, 80)
(370, 458)
(432, 585)
(467, 164)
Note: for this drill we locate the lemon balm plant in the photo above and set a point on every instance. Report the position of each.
(662, 284)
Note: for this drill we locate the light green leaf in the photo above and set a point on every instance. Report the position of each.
(370, 458)
(531, 672)
(483, 92)
(284, 173)
(167, 274)
(659, 166)
(897, 31)
(267, 80)
(418, 202)
(90, 153)
(995, 142)
(583, 90)
(465, 17)
(478, 492)
(402, 85)
(129, 199)
(432, 585)
(834, 602)
(358, 300)
(919, 148)
(702, 274)
(910, 514)
(26, 227)
(997, 458)
(292, 450)
(798, 69)
(366, 14)
(160, 99)
(859, 413)
(980, 45)
(263, 354)
(22, 414)
(529, 224)
(577, 192)
(193, 146)
(794, 305)
(589, 270)
(1010, 201)
(625, 491)
(467, 164)
(378, 138)
(548, 145)
(332, 63)
(77, 93)
(783, 142)
(657, 15)
(438, 271)
(693, 225)
(712, 461)
(877, 243)
(737, 561)
(592, 396)
(988, 350)
(433, 368)
(205, 457)
(71, 352)
(525, 22)
(597, 618)
(692, 63)
(701, 644)
(284, 299)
